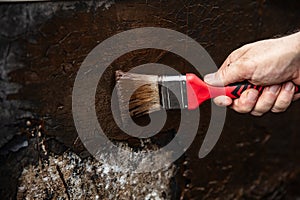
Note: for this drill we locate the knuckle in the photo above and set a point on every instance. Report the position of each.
(283, 103)
(262, 106)
(266, 103)
(242, 102)
(279, 108)
(245, 105)
(242, 107)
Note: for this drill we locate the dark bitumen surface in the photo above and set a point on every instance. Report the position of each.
(43, 44)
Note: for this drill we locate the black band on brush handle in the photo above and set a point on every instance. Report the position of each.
(235, 90)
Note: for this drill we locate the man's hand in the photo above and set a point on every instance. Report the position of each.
(274, 63)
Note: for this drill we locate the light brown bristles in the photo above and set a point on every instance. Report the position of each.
(142, 92)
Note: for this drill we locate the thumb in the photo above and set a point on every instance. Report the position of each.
(225, 75)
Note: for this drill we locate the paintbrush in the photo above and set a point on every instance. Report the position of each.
(169, 92)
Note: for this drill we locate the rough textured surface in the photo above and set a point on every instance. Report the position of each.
(19, 26)
(43, 45)
(69, 177)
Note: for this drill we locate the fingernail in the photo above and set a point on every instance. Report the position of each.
(256, 113)
(223, 101)
(289, 86)
(252, 96)
(209, 78)
(274, 88)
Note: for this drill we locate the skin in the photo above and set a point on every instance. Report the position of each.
(274, 63)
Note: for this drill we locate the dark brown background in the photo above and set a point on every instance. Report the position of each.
(43, 45)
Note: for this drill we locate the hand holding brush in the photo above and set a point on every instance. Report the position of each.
(274, 63)
(171, 92)
(268, 70)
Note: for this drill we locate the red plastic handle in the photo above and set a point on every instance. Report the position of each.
(198, 91)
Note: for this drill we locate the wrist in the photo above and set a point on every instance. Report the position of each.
(293, 44)
(297, 41)
(297, 62)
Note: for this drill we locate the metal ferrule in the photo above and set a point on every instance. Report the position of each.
(173, 92)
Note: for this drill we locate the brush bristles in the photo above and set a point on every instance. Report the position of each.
(145, 98)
